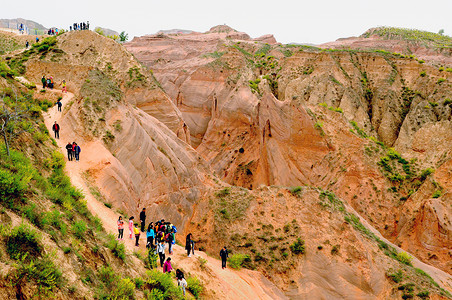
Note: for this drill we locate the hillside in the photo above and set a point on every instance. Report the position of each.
(319, 169)
(431, 47)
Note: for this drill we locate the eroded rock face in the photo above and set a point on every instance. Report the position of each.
(255, 114)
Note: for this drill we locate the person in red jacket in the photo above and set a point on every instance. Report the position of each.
(56, 128)
(167, 268)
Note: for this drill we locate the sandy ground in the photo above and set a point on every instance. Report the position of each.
(220, 283)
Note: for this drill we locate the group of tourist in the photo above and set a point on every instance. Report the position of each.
(79, 26)
(53, 31)
(48, 82)
(73, 151)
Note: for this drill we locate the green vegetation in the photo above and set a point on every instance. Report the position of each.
(23, 241)
(298, 247)
(413, 35)
(238, 260)
(161, 286)
(404, 258)
(296, 191)
(396, 276)
(118, 249)
(422, 74)
(195, 286)
(254, 85)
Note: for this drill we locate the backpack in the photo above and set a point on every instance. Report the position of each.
(167, 237)
(174, 229)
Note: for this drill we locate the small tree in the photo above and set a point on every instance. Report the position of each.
(441, 31)
(123, 37)
(12, 121)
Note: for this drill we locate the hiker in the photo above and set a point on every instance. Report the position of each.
(167, 268)
(137, 234)
(59, 104)
(181, 280)
(170, 239)
(44, 81)
(26, 44)
(143, 219)
(69, 151)
(37, 40)
(120, 228)
(224, 256)
(150, 236)
(131, 226)
(161, 252)
(87, 25)
(51, 82)
(192, 245)
(64, 90)
(188, 244)
(77, 151)
(56, 128)
(70, 28)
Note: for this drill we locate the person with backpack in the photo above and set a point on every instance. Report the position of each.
(56, 129)
(224, 256)
(161, 252)
(130, 226)
(137, 234)
(181, 280)
(44, 81)
(167, 268)
(120, 228)
(77, 151)
(188, 244)
(69, 151)
(143, 219)
(170, 240)
(59, 104)
(150, 234)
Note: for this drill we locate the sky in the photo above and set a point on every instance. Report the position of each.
(299, 21)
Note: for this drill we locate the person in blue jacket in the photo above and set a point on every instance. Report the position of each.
(150, 235)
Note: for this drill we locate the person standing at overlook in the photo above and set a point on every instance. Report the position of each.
(143, 219)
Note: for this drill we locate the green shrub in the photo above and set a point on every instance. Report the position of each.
(298, 247)
(42, 272)
(195, 286)
(116, 248)
(440, 80)
(124, 290)
(422, 74)
(447, 101)
(108, 276)
(335, 249)
(237, 260)
(404, 258)
(161, 286)
(437, 194)
(425, 173)
(296, 190)
(392, 154)
(23, 241)
(79, 229)
(224, 192)
(448, 69)
(423, 294)
(151, 259)
(397, 276)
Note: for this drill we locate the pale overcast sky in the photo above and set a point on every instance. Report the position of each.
(314, 21)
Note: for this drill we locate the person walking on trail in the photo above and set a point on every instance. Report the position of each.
(63, 84)
(44, 81)
(169, 237)
(59, 104)
(56, 129)
(137, 234)
(150, 234)
(77, 151)
(181, 280)
(143, 219)
(69, 151)
(161, 252)
(167, 268)
(188, 244)
(120, 229)
(131, 227)
(27, 44)
(224, 256)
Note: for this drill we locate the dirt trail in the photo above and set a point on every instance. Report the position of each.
(220, 283)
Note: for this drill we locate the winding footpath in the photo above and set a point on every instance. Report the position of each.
(220, 283)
